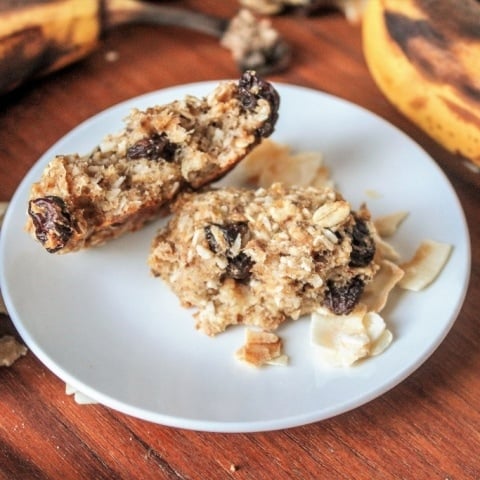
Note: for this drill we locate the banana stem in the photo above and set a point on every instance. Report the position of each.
(121, 12)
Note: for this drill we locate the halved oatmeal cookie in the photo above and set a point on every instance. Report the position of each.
(259, 257)
(82, 201)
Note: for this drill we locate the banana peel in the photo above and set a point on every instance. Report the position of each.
(424, 56)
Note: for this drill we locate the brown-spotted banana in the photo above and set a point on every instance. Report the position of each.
(424, 55)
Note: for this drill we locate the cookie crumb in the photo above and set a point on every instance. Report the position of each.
(112, 56)
(261, 348)
(10, 350)
(79, 397)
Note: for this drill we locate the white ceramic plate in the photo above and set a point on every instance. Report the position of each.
(100, 322)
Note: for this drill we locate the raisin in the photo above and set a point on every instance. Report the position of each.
(319, 257)
(156, 147)
(247, 99)
(363, 245)
(52, 222)
(239, 267)
(250, 89)
(341, 299)
(230, 232)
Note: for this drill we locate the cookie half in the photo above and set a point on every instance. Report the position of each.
(82, 201)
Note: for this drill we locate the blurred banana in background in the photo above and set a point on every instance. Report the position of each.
(424, 55)
(40, 36)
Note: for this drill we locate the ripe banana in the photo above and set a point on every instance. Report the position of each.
(424, 56)
(40, 36)
(44, 36)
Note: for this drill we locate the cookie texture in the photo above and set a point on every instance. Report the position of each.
(260, 257)
(82, 201)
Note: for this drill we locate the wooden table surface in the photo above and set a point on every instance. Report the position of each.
(428, 427)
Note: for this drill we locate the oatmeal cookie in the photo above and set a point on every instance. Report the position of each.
(82, 201)
(260, 257)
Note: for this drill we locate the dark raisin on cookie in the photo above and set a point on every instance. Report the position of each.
(342, 298)
(250, 89)
(230, 232)
(155, 147)
(239, 267)
(363, 245)
(52, 221)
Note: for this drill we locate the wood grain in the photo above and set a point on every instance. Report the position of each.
(428, 427)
